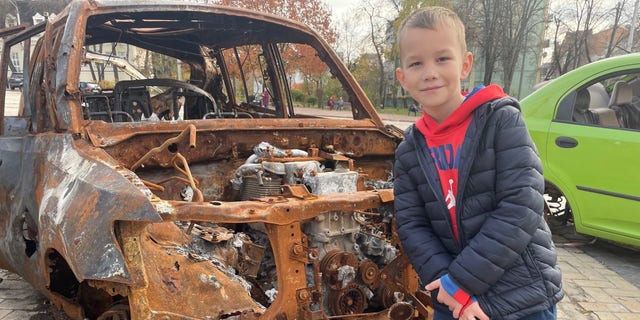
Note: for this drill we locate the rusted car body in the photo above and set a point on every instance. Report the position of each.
(217, 208)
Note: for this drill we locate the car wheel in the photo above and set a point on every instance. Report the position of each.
(558, 211)
(559, 217)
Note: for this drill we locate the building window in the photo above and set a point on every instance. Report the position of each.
(15, 59)
(10, 20)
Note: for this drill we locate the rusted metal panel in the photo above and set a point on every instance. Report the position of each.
(15, 126)
(5, 32)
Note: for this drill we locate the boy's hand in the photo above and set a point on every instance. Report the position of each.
(445, 298)
(472, 312)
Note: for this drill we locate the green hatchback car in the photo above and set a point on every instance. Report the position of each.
(586, 125)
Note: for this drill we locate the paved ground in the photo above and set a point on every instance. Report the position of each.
(593, 292)
(19, 301)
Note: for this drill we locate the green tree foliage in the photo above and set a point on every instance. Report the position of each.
(364, 67)
(297, 95)
(163, 66)
(311, 101)
(405, 7)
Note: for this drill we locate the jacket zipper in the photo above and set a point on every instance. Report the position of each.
(427, 165)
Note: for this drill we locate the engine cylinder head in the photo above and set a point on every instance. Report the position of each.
(253, 188)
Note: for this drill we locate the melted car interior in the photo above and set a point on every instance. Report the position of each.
(193, 68)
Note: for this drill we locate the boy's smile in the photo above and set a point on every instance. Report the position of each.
(432, 66)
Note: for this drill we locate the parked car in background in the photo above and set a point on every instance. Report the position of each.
(176, 197)
(16, 80)
(586, 125)
(90, 87)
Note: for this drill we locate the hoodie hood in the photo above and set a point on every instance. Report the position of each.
(479, 96)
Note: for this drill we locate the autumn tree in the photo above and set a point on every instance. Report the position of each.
(28, 8)
(615, 38)
(584, 30)
(521, 24)
(405, 7)
(313, 13)
(364, 67)
(377, 25)
(487, 20)
(349, 39)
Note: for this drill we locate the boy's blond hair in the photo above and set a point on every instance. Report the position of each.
(433, 17)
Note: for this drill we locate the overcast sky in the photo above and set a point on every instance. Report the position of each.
(339, 7)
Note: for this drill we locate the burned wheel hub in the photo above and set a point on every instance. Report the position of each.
(369, 273)
(401, 311)
(338, 268)
(117, 312)
(349, 300)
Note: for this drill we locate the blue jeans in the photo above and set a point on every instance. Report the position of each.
(549, 314)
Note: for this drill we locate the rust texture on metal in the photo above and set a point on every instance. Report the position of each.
(192, 199)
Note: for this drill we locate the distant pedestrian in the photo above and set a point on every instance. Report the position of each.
(340, 103)
(413, 108)
(180, 100)
(331, 103)
(265, 98)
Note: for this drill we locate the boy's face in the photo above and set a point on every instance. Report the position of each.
(433, 65)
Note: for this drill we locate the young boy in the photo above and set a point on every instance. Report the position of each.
(469, 186)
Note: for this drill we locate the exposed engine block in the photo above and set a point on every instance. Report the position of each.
(349, 249)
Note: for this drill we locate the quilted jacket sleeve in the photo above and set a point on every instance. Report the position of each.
(510, 223)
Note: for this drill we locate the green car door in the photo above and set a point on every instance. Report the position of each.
(590, 148)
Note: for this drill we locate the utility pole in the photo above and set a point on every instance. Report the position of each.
(632, 29)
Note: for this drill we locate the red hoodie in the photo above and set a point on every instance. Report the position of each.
(445, 142)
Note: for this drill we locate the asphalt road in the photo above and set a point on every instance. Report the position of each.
(12, 101)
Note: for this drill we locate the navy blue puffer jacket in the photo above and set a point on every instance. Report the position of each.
(505, 257)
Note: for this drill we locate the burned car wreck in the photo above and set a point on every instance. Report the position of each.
(164, 198)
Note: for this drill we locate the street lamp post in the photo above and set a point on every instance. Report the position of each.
(15, 5)
(632, 29)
